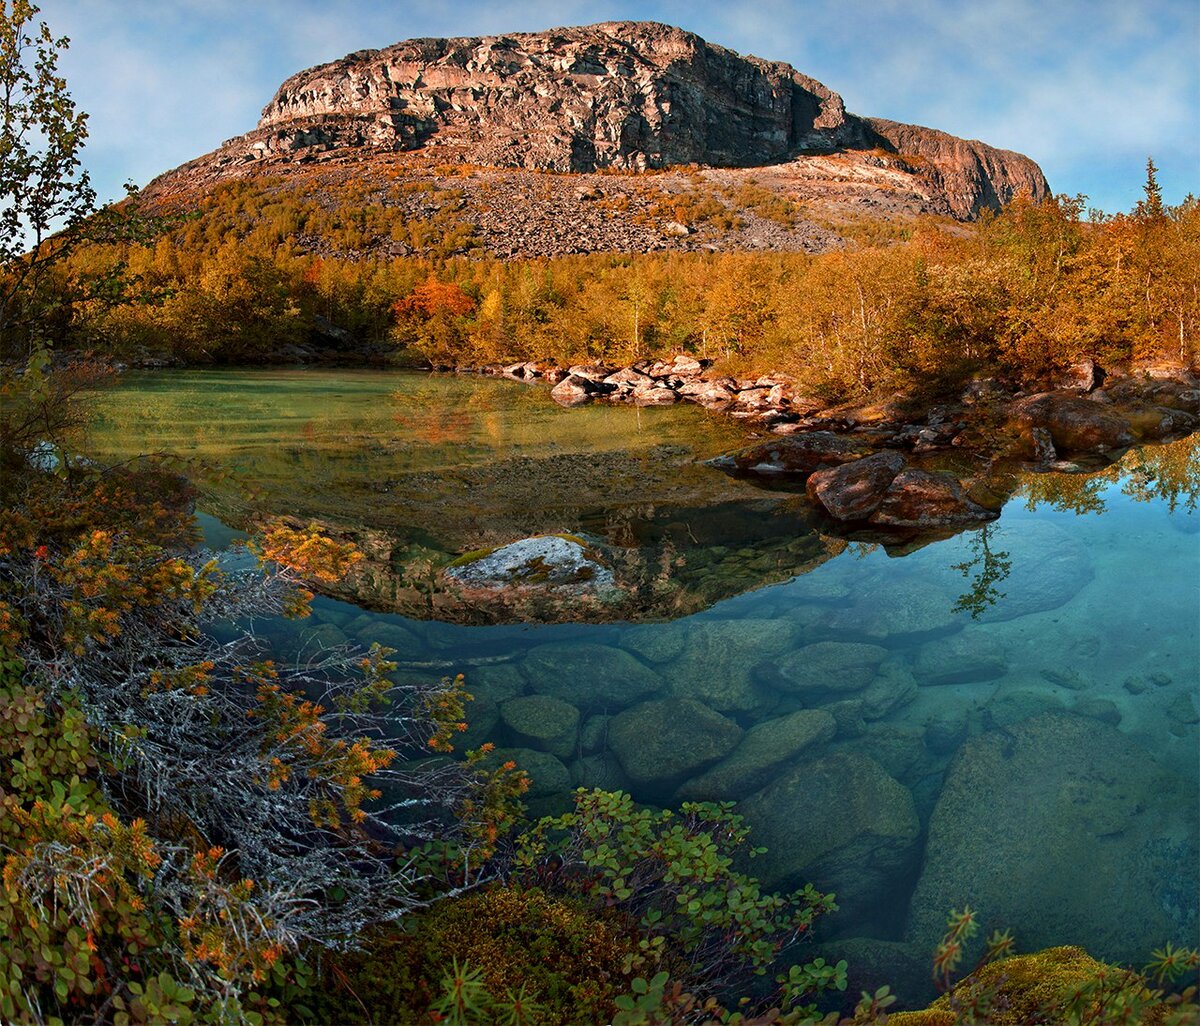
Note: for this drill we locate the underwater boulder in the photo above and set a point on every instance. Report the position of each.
(766, 748)
(1066, 831)
(542, 722)
(662, 742)
(718, 661)
(548, 777)
(827, 668)
(589, 676)
(964, 658)
(840, 823)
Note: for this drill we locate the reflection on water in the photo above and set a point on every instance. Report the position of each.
(987, 568)
(1006, 718)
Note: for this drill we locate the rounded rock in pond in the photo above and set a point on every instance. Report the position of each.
(593, 735)
(840, 823)
(717, 666)
(766, 747)
(893, 688)
(828, 668)
(601, 771)
(1103, 709)
(1015, 705)
(589, 676)
(661, 742)
(656, 642)
(482, 716)
(1051, 568)
(539, 721)
(401, 640)
(1062, 828)
(548, 777)
(965, 658)
(497, 681)
(895, 608)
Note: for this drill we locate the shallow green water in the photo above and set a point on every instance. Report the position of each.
(1005, 718)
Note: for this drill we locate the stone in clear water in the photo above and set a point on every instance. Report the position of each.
(1063, 828)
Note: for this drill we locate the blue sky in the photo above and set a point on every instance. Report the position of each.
(1087, 88)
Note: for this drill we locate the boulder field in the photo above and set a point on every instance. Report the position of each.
(899, 466)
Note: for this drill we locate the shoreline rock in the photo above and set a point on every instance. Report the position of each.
(854, 460)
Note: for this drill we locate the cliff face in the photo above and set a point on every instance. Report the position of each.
(971, 174)
(492, 112)
(621, 94)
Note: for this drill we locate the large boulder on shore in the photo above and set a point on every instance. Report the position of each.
(840, 823)
(1065, 830)
(854, 491)
(919, 498)
(1075, 424)
(661, 742)
(575, 390)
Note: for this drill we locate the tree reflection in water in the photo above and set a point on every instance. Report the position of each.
(993, 568)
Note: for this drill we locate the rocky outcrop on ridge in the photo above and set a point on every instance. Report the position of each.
(614, 97)
(619, 94)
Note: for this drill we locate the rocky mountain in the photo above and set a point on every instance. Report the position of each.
(617, 97)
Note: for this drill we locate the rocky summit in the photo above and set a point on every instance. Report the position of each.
(603, 99)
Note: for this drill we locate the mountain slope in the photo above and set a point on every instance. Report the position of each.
(612, 100)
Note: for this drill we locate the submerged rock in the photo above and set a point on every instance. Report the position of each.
(498, 681)
(660, 743)
(1066, 831)
(892, 688)
(1011, 706)
(766, 747)
(961, 659)
(589, 676)
(548, 777)
(401, 640)
(896, 608)
(828, 667)
(601, 770)
(840, 823)
(482, 716)
(656, 642)
(542, 722)
(1053, 566)
(717, 665)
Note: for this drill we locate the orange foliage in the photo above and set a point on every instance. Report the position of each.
(433, 297)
